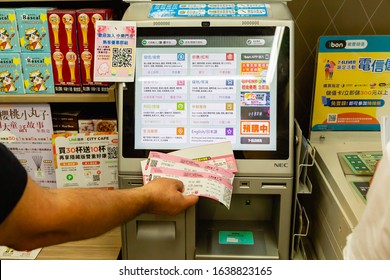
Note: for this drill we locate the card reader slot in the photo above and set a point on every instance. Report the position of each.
(273, 186)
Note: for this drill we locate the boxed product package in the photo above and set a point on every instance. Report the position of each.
(9, 36)
(97, 125)
(63, 42)
(11, 76)
(65, 122)
(86, 19)
(37, 73)
(33, 29)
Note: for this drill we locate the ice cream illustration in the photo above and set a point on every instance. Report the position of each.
(58, 58)
(96, 17)
(86, 57)
(71, 57)
(68, 19)
(84, 20)
(54, 20)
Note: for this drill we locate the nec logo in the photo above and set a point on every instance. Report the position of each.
(281, 165)
(336, 44)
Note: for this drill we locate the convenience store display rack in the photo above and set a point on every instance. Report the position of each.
(59, 97)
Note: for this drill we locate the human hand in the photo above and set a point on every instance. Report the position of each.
(166, 197)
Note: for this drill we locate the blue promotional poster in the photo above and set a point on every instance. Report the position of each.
(352, 83)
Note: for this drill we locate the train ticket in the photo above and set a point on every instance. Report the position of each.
(220, 154)
(204, 184)
(157, 159)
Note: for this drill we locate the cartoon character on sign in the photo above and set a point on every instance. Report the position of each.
(7, 82)
(329, 68)
(36, 77)
(5, 39)
(34, 39)
(103, 69)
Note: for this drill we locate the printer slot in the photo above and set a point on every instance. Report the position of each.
(236, 240)
(248, 230)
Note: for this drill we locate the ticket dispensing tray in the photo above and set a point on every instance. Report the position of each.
(254, 226)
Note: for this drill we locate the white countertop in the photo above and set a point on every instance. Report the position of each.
(327, 145)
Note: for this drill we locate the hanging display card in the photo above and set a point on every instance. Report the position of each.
(114, 51)
(352, 83)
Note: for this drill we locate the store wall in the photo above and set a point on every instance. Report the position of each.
(314, 18)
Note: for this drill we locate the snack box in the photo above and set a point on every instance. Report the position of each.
(86, 19)
(65, 121)
(97, 125)
(9, 36)
(33, 29)
(63, 43)
(37, 73)
(11, 75)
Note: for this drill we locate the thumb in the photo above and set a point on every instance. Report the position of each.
(191, 199)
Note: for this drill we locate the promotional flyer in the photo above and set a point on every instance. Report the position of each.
(86, 160)
(352, 83)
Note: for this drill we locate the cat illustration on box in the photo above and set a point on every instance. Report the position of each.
(36, 77)
(7, 82)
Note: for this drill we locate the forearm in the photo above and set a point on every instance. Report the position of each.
(46, 217)
(86, 213)
(63, 215)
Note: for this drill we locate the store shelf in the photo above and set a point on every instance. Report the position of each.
(60, 97)
(19, 1)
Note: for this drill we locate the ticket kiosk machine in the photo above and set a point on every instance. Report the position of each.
(207, 73)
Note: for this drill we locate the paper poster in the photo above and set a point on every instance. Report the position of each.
(114, 51)
(26, 129)
(86, 160)
(352, 85)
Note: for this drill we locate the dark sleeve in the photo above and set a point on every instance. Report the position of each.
(13, 180)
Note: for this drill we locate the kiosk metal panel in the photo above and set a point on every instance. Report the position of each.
(202, 80)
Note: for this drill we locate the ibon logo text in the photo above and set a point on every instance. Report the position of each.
(336, 44)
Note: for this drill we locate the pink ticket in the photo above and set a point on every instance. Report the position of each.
(204, 184)
(219, 154)
(157, 159)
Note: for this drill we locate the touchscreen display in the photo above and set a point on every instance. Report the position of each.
(196, 86)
